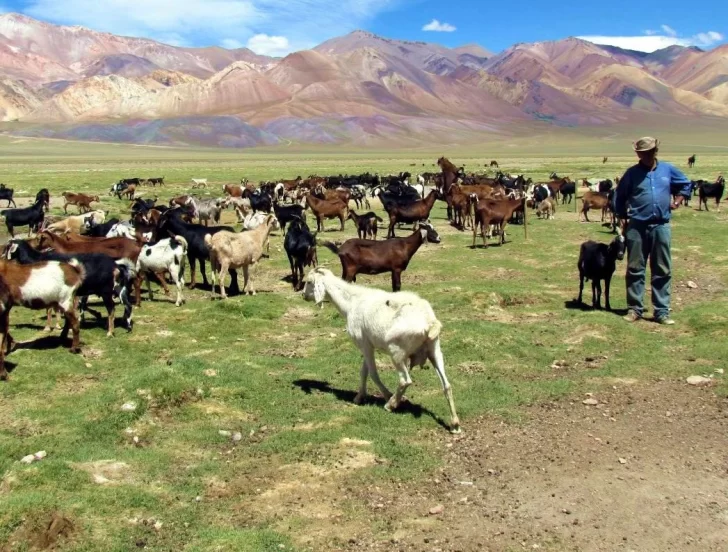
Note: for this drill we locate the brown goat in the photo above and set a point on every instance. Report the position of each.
(594, 200)
(494, 212)
(129, 192)
(116, 248)
(327, 209)
(82, 201)
(359, 256)
(413, 212)
(339, 193)
(366, 224)
(233, 190)
(462, 207)
(48, 284)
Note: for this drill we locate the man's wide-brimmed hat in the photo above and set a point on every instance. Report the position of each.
(646, 144)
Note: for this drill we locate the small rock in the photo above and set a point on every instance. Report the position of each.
(28, 459)
(88, 365)
(668, 413)
(491, 472)
(225, 433)
(692, 285)
(566, 511)
(698, 380)
(158, 525)
(237, 437)
(622, 460)
(210, 373)
(128, 407)
(590, 402)
(40, 455)
(437, 510)
(198, 499)
(332, 335)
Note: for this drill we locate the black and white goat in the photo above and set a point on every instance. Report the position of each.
(166, 255)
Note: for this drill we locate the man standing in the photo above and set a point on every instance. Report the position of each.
(643, 202)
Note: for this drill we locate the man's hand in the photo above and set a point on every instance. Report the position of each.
(676, 204)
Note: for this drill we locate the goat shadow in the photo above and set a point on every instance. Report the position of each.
(405, 407)
(573, 304)
(44, 343)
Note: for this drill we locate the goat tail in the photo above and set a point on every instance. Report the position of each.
(208, 241)
(331, 246)
(79, 268)
(434, 329)
(379, 219)
(179, 239)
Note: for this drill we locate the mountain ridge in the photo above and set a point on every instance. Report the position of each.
(354, 88)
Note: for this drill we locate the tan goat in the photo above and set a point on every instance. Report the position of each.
(238, 250)
(74, 224)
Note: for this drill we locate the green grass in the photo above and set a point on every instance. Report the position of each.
(284, 369)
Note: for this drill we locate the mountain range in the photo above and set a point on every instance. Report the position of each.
(73, 82)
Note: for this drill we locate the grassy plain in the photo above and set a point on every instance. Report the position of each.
(312, 471)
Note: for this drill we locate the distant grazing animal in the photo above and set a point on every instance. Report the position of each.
(598, 261)
(6, 194)
(497, 212)
(118, 188)
(715, 191)
(156, 180)
(199, 182)
(414, 212)
(494, 163)
(82, 201)
(691, 161)
(605, 160)
(594, 200)
(546, 209)
(402, 324)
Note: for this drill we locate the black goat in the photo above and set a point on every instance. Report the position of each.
(605, 186)
(96, 230)
(288, 213)
(715, 191)
(259, 201)
(32, 217)
(104, 277)
(597, 262)
(300, 246)
(568, 189)
(171, 223)
(6, 194)
(142, 206)
(44, 196)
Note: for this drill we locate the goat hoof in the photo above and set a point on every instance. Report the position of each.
(359, 399)
(456, 430)
(47, 329)
(75, 350)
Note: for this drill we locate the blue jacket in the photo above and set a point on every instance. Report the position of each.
(645, 195)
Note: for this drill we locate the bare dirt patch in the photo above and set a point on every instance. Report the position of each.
(41, 533)
(644, 469)
(107, 472)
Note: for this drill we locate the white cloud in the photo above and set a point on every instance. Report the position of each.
(436, 26)
(669, 31)
(206, 22)
(653, 41)
(266, 45)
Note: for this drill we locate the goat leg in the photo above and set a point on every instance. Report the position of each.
(72, 321)
(581, 287)
(607, 281)
(4, 341)
(110, 311)
(162, 281)
(404, 382)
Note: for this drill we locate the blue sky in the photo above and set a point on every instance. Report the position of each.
(276, 27)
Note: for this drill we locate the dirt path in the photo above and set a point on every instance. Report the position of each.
(646, 470)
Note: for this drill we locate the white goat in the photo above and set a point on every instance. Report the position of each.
(199, 182)
(121, 230)
(238, 250)
(166, 255)
(402, 324)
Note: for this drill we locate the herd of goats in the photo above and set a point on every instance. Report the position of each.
(73, 257)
